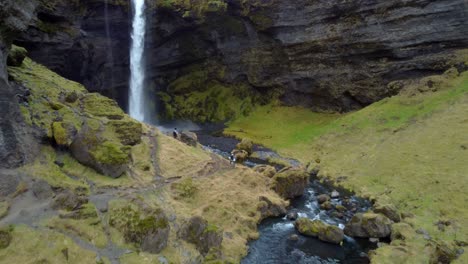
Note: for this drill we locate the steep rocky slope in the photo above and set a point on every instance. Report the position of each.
(326, 55)
(107, 189)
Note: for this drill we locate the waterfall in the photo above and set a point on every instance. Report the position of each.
(137, 71)
(110, 54)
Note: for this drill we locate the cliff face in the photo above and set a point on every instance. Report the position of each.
(85, 41)
(326, 55)
(14, 139)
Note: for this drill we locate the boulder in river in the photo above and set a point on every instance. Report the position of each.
(240, 155)
(335, 194)
(189, 138)
(368, 225)
(317, 228)
(246, 145)
(326, 206)
(270, 209)
(290, 182)
(323, 198)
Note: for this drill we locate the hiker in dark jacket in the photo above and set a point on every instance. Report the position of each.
(175, 134)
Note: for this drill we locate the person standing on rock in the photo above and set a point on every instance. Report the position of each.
(175, 134)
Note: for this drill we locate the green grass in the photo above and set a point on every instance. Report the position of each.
(409, 150)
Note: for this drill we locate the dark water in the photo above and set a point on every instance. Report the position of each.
(274, 245)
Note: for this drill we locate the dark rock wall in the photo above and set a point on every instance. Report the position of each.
(327, 55)
(73, 39)
(14, 137)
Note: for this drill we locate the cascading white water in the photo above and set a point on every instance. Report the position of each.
(137, 71)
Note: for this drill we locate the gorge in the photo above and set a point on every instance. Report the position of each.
(347, 120)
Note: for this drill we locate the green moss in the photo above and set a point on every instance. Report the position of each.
(185, 188)
(100, 106)
(134, 221)
(111, 153)
(4, 207)
(63, 133)
(127, 131)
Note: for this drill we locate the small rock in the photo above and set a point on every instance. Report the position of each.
(292, 216)
(323, 198)
(326, 206)
(16, 56)
(294, 237)
(340, 208)
(374, 240)
(335, 194)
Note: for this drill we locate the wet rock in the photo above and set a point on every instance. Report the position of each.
(290, 182)
(266, 170)
(368, 225)
(335, 194)
(141, 224)
(240, 155)
(340, 208)
(42, 190)
(269, 209)
(326, 206)
(246, 145)
(317, 228)
(292, 216)
(374, 240)
(294, 237)
(16, 56)
(389, 211)
(68, 200)
(189, 138)
(323, 198)
(205, 236)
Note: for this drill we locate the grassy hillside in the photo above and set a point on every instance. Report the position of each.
(410, 150)
(66, 209)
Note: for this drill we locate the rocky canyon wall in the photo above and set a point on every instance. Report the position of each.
(326, 55)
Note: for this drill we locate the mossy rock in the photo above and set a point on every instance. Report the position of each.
(402, 231)
(246, 145)
(316, 228)
(389, 210)
(101, 106)
(16, 56)
(369, 225)
(291, 182)
(140, 224)
(204, 235)
(107, 156)
(5, 238)
(63, 133)
(127, 131)
(265, 170)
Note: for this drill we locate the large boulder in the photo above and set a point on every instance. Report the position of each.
(369, 225)
(189, 138)
(246, 145)
(204, 236)
(105, 155)
(141, 224)
(240, 155)
(128, 131)
(389, 210)
(270, 209)
(265, 170)
(317, 228)
(290, 182)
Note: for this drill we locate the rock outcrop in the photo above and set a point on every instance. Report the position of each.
(290, 182)
(214, 62)
(198, 231)
(15, 143)
(369, 225)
